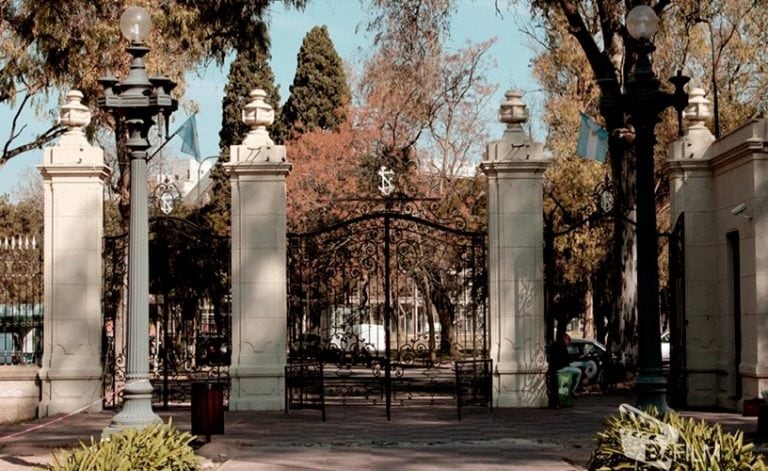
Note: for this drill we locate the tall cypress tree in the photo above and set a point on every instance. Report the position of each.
(319, 91)
(249, 70)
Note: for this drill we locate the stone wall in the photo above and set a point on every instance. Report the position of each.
(19, 393)
(721, 189)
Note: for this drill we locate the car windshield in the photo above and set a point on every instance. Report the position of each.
(598, 345)
(592, 344)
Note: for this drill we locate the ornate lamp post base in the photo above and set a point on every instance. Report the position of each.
(137, 409)
(651, 390)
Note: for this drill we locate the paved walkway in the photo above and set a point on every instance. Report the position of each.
(424, 438)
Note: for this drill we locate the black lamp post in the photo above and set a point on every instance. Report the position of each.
(136, 101)
(644, 102)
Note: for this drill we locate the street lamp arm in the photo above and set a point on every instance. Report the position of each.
(679, 99)
(574, 226)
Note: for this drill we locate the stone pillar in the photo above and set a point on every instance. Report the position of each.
(515, 167)
(74, 178)
(257, 172)
(691, 184)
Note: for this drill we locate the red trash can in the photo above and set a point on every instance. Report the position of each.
(207, 409)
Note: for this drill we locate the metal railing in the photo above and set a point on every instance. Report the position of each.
(21, 300)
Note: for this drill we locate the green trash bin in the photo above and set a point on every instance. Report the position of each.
(564, 381)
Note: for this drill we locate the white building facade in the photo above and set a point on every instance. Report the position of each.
(719, 192)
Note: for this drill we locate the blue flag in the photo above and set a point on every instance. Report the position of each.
(593, 140)
(189, 142)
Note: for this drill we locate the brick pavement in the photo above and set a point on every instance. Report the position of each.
(422, 438)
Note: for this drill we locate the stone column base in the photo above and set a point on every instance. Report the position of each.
(262, 389)
(702, 388)
(63, 393)
(520, 389)
(19, 393)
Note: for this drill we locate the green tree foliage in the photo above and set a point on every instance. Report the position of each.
(49, 45)
(235, 24)
(575, 236)
(715, 42)
(20, 219)
(249, 70)
(425, 106)
(319, 93)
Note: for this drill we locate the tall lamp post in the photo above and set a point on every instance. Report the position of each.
(644, 102)
(135, 101)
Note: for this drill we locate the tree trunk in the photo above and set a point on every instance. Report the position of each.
(588, 331)
(622, 332)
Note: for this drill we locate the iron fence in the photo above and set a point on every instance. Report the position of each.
(21, 300)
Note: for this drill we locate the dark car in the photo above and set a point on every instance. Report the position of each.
(597, 366)
(587, 355)
(213, 350)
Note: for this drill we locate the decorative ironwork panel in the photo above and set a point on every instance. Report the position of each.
(190, 314)
(678, 375)
(388, 301)
(474, 384)
(21, 301)
(304, 386)
(114, 306)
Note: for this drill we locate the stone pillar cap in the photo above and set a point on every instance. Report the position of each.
(515, 144)
(698, 110)
(258, 114)
(75, 116)
(513, 111)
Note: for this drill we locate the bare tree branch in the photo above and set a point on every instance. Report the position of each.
(601, 66)
(37, 143)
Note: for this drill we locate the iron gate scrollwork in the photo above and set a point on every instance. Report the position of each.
(678, 376)
(190, 320)
(387, 302)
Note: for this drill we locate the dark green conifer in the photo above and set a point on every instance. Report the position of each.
(319, 92)
(248, 71)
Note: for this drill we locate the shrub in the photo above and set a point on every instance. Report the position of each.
(637, 440)
(157, 447)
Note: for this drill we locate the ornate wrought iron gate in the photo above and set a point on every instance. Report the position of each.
(387, 302)
(190, 320)
(678, 378)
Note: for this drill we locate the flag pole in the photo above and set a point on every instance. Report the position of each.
(170, 137)
(164, 143)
